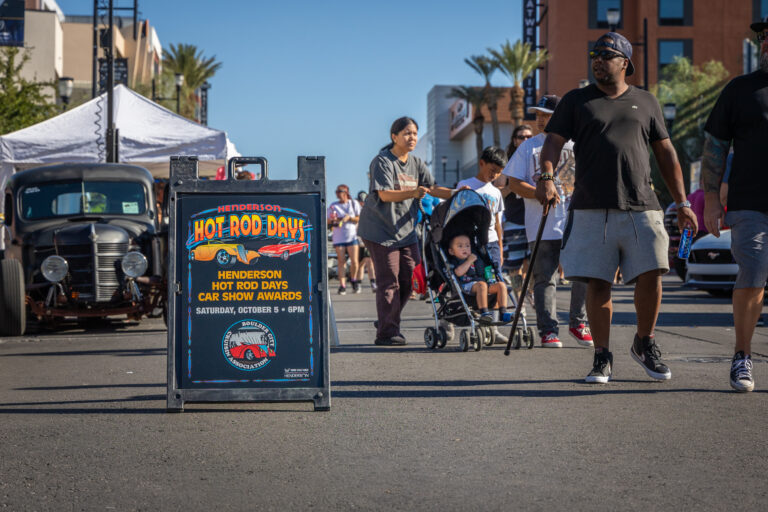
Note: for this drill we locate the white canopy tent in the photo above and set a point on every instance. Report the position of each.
(149, 135)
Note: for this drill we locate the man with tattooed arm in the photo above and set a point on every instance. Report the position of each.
(740, 117)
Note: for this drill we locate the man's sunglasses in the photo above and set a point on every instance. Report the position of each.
(761, 36)
(605, 54)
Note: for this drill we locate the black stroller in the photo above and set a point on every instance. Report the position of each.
(465, 213)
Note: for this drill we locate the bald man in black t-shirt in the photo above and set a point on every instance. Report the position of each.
(615, 219)
(740, 116)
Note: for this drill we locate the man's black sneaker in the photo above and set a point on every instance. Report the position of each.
(355, 286)
(394, 340)
(601, 368)
(342, 290)
(648, 355)
(741, 373)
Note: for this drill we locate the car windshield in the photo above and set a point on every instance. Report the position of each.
(65, 199)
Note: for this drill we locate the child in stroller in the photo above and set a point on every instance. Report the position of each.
(480, 283)
(467, 214)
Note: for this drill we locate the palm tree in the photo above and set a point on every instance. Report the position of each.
(518, 61)
(190, 62)
(476, 97)
(485, 66)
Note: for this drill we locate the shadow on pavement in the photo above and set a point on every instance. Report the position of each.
(115, 352)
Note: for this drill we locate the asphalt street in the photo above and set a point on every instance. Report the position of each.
(84, 425)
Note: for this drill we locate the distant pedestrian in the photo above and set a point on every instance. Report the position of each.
(387, 224)
(343, 216)
(740, 116)
(524, 172)
(615, 219)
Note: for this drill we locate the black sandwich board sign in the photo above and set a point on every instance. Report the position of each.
(247, 297)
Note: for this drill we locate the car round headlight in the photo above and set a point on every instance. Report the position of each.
(134, 264)
(54, 268)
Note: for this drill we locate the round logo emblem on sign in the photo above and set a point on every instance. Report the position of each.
(249, 345)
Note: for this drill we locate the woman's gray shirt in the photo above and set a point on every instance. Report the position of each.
(392, 224)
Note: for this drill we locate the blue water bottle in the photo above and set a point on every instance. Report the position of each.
(684, 250)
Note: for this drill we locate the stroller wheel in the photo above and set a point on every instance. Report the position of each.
(442, 338)
(490, 337)
(478, 340)
(430, 337)
(464, 341)
(531, 337)
(518, 338)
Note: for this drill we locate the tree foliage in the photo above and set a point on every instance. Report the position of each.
(485, 67)
(693, 90)
(518, 61)
(476, 97)
(22, 102)
(188, 60)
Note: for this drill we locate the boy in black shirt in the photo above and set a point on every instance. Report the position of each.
(615, 219)
(740, 116)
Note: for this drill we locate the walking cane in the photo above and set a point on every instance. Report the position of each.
(524, 289)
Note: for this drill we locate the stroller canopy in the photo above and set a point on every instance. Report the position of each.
(466, 212)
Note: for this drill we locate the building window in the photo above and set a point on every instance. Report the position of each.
(759, 9)
(598, 10)
(676, 12)
(671, 48)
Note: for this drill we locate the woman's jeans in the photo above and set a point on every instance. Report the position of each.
(394, 272)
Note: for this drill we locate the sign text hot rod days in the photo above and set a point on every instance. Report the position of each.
(235, 224)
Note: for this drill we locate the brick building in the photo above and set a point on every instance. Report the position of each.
(701, 30)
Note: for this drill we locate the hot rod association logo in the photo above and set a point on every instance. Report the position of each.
(249, 345)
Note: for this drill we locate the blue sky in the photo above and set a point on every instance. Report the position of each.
(327, 77)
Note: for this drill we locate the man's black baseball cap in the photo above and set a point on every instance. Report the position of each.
(619, 43)
(759, 26)
(545, 105)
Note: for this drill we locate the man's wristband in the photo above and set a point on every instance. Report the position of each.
(547, 177)
(684, 204)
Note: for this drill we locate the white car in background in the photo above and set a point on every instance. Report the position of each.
(711, 266)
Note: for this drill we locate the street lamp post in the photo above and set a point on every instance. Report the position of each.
(670, 112)
(444, 160)
(66, 84)
(179, 83)
(613, 16)
(179, 79)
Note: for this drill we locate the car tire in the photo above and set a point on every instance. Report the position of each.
(13, 305)
(285, 256)
(249, 355)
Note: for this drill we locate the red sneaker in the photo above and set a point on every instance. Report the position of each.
(582, 334)
(550, 340)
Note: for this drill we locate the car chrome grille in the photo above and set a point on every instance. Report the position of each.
(93, 274)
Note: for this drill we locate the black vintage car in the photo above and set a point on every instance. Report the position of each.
(81, 240)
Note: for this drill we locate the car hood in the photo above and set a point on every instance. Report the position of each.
(78, 234)
(712, 242)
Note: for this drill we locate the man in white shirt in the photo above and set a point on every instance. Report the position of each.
(524, 171)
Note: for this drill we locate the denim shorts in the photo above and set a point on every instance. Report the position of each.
(749, 234)
(597, 242)
(347, 244)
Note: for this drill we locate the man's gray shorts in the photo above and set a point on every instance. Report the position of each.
(749, 235)
(597, 242)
